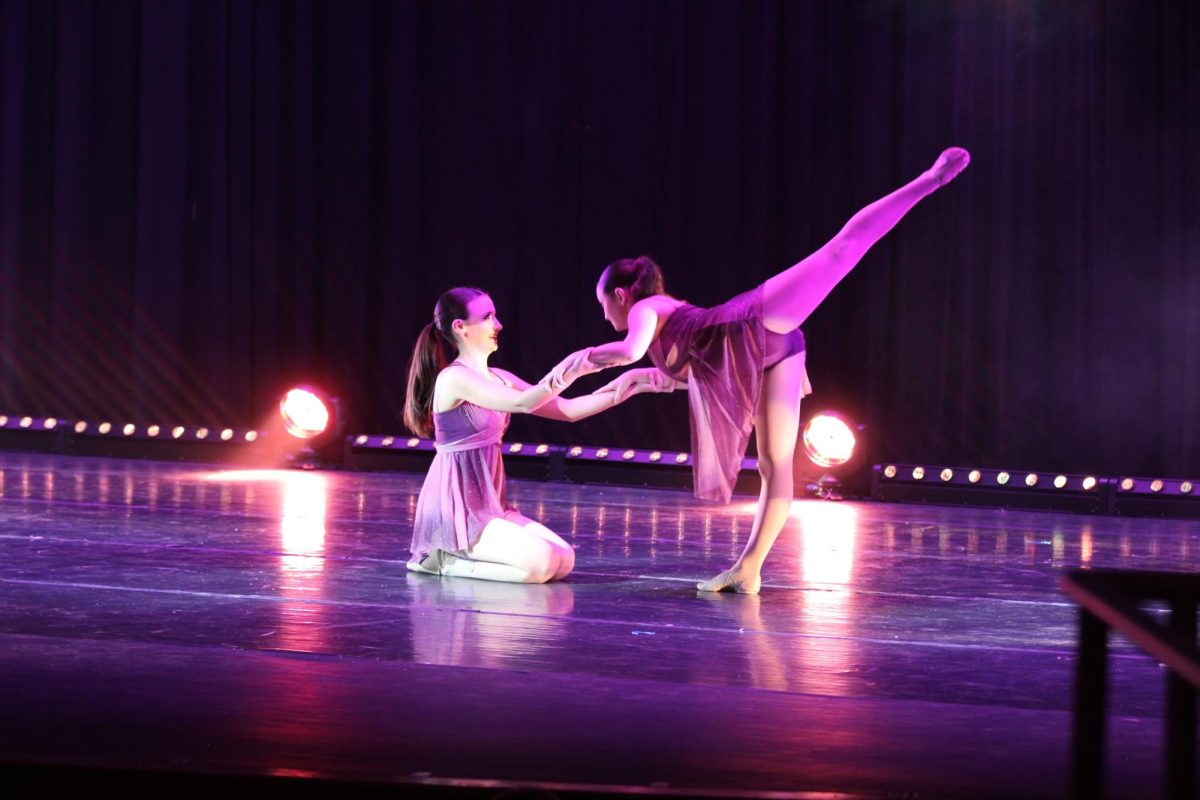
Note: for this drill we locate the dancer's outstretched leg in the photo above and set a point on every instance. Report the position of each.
(790, 296)
(776, 425)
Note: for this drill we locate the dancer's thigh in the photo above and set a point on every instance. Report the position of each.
(541, 530)
(777, 418)
(504, 541)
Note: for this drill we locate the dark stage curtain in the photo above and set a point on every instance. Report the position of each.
(203, 201)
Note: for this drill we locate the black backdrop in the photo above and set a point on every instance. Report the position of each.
(200, 202)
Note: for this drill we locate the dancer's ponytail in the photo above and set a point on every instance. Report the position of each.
(640, 276)
(434, 350)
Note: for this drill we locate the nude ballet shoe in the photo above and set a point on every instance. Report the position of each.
(726, 582)
(431, 564)
(952, 161)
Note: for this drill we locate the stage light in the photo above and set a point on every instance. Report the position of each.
(828, 440)
(681, 458)
(628, 454)
(988, 487)
(1089, 483)
(889, 471)
(177, 431)
(251, 436)
(387, 441)
(575, 451)
(50, 424)
(361, 440)
(304, 414)
(542, 449)
(226, 434)
(81, 426)
(413, 442)
(602, 452)
(3, 420)
(26, 422)
(129, 430)
(202, 433)
(656, 456)
(153, 430)
(105, 427)
(1160, 497)
(515, 447)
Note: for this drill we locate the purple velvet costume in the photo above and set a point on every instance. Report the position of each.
(727, 349)
(464, 489)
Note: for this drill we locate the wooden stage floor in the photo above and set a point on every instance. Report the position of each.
(184, 624)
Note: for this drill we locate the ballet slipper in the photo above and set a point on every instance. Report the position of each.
(729, 581)
(952, 161)
(431, 564)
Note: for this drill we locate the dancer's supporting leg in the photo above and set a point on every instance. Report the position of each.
(508, 552)
(790, 296)
(776, 425)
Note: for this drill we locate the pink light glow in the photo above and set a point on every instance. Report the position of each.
(828, 440)
(303, 413)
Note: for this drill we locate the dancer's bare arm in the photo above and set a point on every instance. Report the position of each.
(634, 379)
(643, 323)
(573, 409)
(457, 383)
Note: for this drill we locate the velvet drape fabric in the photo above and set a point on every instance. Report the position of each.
(201, 202)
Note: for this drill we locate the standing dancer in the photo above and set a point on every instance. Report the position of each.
(743, 361)
(463, 526)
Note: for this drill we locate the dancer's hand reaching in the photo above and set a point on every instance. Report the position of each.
(570, 368)
(638, 381)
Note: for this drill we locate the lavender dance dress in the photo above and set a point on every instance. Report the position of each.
(464, 489)
(727, 349)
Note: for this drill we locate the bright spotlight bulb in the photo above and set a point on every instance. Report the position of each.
(828, 440)
(304, 415)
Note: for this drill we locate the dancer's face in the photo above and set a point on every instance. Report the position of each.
(616, 307)
(481, 329)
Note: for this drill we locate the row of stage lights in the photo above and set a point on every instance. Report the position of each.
(1087, 483)
(828, 440)
(82, 427)
(1089, 493)
(530, 449)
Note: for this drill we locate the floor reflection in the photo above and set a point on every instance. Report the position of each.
(470, 623)
(303, 499)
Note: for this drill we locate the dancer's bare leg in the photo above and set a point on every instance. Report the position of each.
(790, 296)
(776, 425)
(566, 553)
(507, 552)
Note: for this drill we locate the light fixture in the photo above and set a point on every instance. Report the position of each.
(304, 414)
(828, 440)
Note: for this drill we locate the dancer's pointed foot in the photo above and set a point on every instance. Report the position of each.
(952, 161)
(733, 580)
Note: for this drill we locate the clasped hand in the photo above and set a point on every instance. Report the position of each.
(638, 381)
(570, 368)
